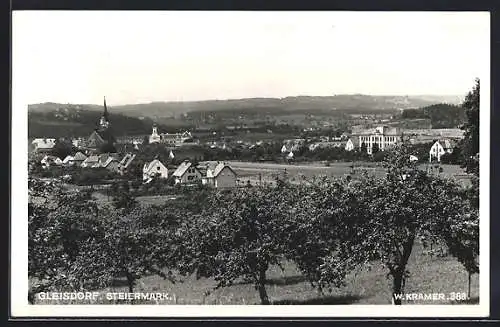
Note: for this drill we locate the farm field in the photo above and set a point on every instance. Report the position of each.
(250, 171)
(428, 274)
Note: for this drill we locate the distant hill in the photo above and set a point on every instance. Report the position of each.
(79, 121)
(442, 115)
(353, 103)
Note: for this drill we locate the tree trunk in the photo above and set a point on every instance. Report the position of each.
(397, 286)
(264, 299)
(468, 285)
(398, 273)
(130, 282)
(31, 297)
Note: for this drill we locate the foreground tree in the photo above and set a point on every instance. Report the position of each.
(137, 242)
(312, 230)
(59, 226)
(235, 237)
(388, 215)
(470, 144)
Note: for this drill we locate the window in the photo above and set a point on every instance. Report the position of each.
(157, 168)
(190, 178)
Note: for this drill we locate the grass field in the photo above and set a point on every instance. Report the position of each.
(257, 172)
(428, 274)
(265, 174)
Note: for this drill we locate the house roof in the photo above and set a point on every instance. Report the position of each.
(79, 157)
(181, 170)
(99, 137)
(149, 166)
(104, 157)
(92, 159)
(108, 161)
(127, 160)
(383, 130)
(220, 166)
(68, 159)
(447, 143)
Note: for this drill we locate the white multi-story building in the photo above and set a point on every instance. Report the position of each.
(175, 139)
(385, 137)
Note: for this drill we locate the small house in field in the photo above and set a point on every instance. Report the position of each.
(439, 148)
(218, 174)
(187, 173)
(153, 169)
(222, 176)
(349, 145)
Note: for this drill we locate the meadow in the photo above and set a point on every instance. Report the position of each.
(367, 285)
(259, 173)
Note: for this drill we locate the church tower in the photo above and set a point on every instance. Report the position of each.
(102, 139)
(104, 122)
(155, 137)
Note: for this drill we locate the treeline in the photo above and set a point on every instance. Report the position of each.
(441, 115)
(81, 123)
(327, 228)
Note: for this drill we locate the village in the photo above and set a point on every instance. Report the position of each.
(182, 163)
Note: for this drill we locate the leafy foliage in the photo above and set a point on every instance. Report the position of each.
(236, 237)
(59, 225)
(442, 115)
(470, 144)
(391, 213)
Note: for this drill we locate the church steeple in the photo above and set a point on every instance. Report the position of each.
(105, 114)
(104, 123)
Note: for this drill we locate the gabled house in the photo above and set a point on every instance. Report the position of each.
(153, 169)
(349, 145)
(48, 161)
(187, 173)
(219, 175)
(91, 162)
(78, 159)
(439, 148)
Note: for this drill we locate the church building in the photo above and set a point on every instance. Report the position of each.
(102, 135)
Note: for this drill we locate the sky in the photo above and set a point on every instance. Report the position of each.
(146, 56)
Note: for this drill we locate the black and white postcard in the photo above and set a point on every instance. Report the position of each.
(250, 164)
